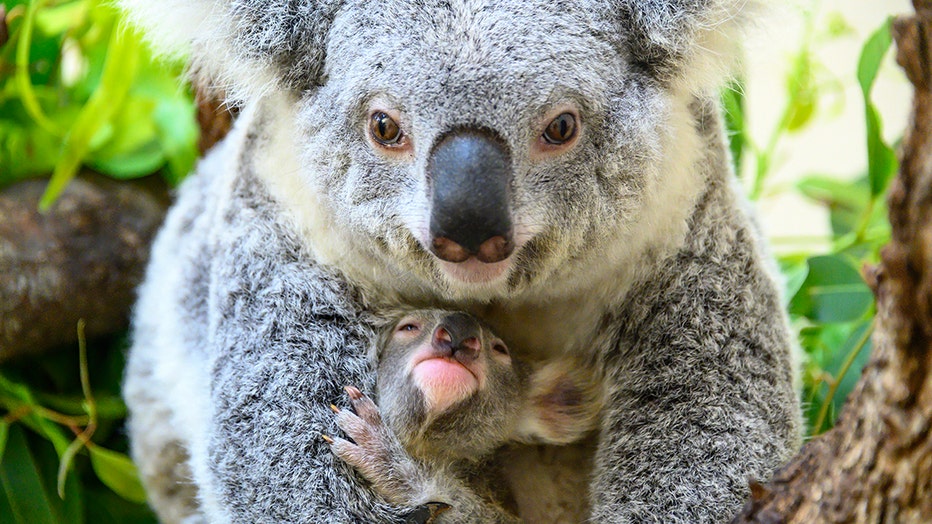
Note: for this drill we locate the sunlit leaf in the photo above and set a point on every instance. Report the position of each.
(118, 473)
(118, 74)
(880, 156)
(733, 104)
(803, 92)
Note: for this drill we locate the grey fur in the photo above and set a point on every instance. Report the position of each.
(635, 254)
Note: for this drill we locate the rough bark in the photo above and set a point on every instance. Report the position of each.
(876, 464)
(214, 115)
(82, 259)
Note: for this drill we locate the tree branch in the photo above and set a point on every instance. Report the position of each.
(82, 259)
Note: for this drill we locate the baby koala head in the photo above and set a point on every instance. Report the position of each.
(447, 386)
(450, 389)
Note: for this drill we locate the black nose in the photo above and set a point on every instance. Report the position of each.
(457, 335)
(470, 179)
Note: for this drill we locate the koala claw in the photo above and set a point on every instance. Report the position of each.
(364, 407)
(373, 452)
(426, 513)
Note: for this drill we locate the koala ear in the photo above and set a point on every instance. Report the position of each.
(242, 47)
(565, 401)
(692, 44)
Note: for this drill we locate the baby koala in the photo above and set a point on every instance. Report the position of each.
(450, 394)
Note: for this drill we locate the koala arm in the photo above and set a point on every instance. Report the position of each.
(700, 394)
(283, 337)
(381, 458)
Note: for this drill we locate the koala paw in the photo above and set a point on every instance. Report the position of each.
(374, 451)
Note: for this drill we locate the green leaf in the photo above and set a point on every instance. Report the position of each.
(4, 435)
(872, 55)
(23, 79)
(176, 119)
(847, 361)
(23, 484)
(795, 271)
(118, 473)
(802, 93)
(833, 291)
(143, 161)
(733, 102)
(14, 395)
(56, 19)
(833, 192)
(119, 70)
(881, 159)
(845, 200)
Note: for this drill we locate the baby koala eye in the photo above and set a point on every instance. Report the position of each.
(384, 129)
(500, 348)
(561, 129)
(409, 327)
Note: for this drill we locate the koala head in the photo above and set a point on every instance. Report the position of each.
(448, 387)
(481, 149)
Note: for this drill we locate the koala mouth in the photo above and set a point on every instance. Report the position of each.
(473, 271)
(444, 382)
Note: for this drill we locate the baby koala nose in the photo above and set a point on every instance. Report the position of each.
(457, 336)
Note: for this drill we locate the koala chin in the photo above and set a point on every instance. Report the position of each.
(557, 170)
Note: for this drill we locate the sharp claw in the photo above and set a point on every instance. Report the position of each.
(327, 439)
(353, 393)
(334, 408)
(426, 513)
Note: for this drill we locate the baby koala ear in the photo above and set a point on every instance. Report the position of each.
(564, 403)
(242, 47)
(689, 44)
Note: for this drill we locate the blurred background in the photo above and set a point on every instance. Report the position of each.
(94, 133)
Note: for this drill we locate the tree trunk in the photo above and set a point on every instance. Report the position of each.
(82, 259)
(875, 465)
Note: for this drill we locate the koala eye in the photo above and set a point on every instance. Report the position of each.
(409, 327)
(561, 129)
(384, 129)
(498, 347)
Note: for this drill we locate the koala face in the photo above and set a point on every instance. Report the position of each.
(485, 149)
(469, 150)
(447, 386)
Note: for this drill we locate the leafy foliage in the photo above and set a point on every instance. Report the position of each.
(78, 87)
(62, 442)
(830, 306)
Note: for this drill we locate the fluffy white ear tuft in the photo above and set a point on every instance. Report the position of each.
(694, 45)
(243, 48)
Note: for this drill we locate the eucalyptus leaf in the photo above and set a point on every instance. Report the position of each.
(119, 70)
(59, 18)
(881, 159)
(832, 292)
(118, 473)
(22, 481)
(733, 103)
(4, 435)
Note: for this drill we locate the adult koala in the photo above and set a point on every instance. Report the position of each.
(555, 168)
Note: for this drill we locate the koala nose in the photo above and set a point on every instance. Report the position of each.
(470, 178)
(456, 336)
